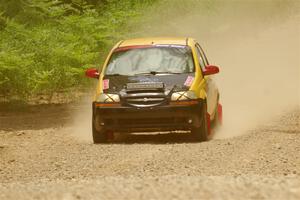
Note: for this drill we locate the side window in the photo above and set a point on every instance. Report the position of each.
(200, 57)
(203, 55)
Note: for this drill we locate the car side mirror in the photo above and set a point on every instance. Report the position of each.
(210, 69)
(92, 73)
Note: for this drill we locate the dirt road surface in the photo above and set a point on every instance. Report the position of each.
(41, 158)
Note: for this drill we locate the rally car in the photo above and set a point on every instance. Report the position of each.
(155, 84)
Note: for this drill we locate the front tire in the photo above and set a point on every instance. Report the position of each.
(99, 136)
(217, 122)
(200, 134)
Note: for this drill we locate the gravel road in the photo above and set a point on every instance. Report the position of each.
(41, 159)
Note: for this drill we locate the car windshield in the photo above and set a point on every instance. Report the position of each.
(167, 59)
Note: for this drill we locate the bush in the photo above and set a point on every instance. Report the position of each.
(46, 48)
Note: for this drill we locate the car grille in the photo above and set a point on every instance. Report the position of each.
(144, 99)
(144, 95)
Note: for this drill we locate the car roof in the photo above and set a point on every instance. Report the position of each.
(155, 40)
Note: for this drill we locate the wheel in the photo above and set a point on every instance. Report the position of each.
(217, 122)
(99, 136)
(201, 133)
(99, 133)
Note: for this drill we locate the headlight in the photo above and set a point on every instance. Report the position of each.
(108, 98)
(181, 96)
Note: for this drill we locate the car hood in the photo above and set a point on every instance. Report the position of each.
(117, 83)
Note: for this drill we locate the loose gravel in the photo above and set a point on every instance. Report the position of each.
(50, 163)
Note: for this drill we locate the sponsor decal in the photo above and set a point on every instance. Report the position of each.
(105, 84)
(144, 79)
(146, 85)
(189, 80)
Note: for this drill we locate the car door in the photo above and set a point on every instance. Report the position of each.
(211, 87)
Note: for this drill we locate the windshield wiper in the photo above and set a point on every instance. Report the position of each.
(155, 72)
(113, 74)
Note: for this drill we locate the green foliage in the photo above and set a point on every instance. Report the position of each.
(45, 45)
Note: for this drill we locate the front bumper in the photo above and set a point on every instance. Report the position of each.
(159, 118)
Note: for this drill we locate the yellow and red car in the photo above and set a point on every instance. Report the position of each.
(155, 84)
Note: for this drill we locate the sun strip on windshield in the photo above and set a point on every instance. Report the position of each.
(126, 48)
(132, 47)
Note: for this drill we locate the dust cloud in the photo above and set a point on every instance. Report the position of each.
(255, 43)
(81, 123)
